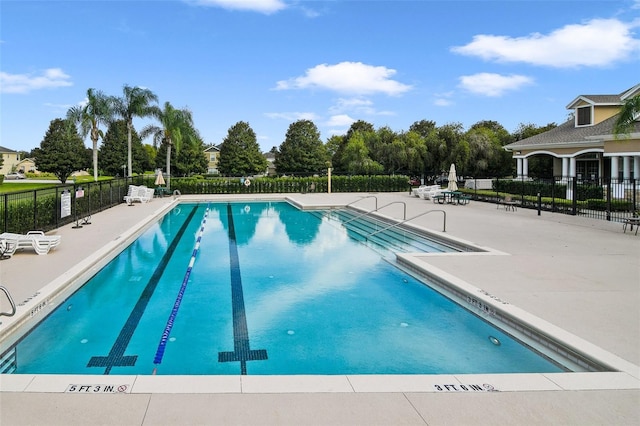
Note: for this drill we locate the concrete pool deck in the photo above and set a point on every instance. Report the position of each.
(577, 274)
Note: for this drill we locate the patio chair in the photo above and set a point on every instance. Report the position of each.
(430, 191)
(36, 240)
(132, 194)
(7, 248)
(138, 193)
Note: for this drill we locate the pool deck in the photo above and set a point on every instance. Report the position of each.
(578, 276)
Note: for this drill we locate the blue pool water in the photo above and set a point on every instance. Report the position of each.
(262, 288)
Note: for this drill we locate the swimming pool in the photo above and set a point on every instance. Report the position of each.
(272, 290)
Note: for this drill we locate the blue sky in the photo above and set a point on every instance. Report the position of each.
(273, 62)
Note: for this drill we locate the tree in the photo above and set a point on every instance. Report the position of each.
(62, 150)
(332, 145)
(135, 102)
(423, 127)
(97, 111)
(628, 116)
(113, 150)
(302, 150)
(416, 152)
(174, 123)
(340, 164)
(240, 153)
(190, 159)
(526, 130)
(486, 140)
(356, 156)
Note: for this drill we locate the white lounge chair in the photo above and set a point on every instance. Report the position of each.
(35, 240)
(138, 193)
(429, 191)
(7, 248)
(132, 194)
(434, 193)
(146, 194)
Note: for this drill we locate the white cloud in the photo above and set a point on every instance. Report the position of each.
(340, 120)
(359, 106)
(443, 99)
(58, 107)
(598, 42)
(493, 85)
(443, 102)
(347, 77)
(25, 83)
(262, 6)
(292, 116)
(351, 104)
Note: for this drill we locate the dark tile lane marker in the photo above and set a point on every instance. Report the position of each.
(116, 356)
(241, 350)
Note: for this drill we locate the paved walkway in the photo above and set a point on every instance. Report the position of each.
(580, 275)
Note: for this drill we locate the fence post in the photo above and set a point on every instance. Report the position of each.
(35, 209)
(608, 199)
(539, 203)
(574, 190)
(6, 213)
(553, 193)
(633, 196)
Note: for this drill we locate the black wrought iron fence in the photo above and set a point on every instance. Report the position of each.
(608, 199)
(44, 209)
(50, 208)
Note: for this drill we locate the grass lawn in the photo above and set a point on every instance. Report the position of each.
(12, 186)
(8, 187)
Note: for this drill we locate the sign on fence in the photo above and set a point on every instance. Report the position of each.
(65, 204)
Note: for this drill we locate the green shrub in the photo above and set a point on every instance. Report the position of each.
(269, 185)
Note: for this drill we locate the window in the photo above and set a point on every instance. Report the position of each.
(584, 116)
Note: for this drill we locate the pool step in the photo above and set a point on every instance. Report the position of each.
(9, 361)
(361, 227)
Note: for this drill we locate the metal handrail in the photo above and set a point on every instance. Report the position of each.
(362, 198)
(13, 305)
(377, 210)
(444, 225)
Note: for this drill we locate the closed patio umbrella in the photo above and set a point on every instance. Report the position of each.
(160, 179)
(452, 185)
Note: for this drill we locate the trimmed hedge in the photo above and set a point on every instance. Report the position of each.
(546, 189)
(268, 185)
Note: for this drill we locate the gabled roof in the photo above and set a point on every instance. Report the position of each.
(3, 149)
(568, 134)
(212, 148)
(634, 91)
(596, 100)
(605, 99)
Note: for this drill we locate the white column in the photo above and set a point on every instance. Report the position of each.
(519, 167)
(565, 168)
(636, 167)
(572, 167)
(626, 167)
(525, 168)
(614, 168)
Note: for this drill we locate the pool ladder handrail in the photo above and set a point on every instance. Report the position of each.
(377, 210)
(362, 198)
(444, 224)
(13, 305)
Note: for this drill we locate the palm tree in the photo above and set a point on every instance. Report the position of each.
(135, 102)
(97, 111)
(629, 114)
(175, 125)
